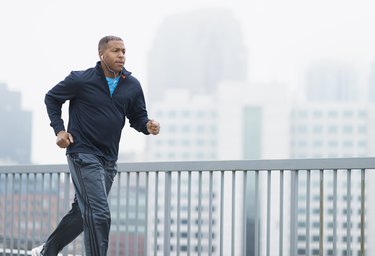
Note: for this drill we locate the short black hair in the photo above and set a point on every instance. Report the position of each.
(105, 40)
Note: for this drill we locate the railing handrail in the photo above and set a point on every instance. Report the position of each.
(223, 165)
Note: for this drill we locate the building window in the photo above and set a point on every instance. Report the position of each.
(318, 129)
(348, 129)
(302, 114)
(200, 114)
(362, 144)
(172, 128)
(317, 143)
(332, 129)
(362, 114)
(332, 114)
(362, 129)
(186, 114)
(332, 144)
(186, 128)
(200, 128)
(318, 114)
(348, 144)
(348, 114)
(172, 114)
(302, 129)
(302, 143)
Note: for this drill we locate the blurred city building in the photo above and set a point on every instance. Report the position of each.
(15, 129)
(329, 81)
(192, 54)
(195, 51)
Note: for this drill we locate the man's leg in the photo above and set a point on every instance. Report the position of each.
(70, 226)
(92, 182)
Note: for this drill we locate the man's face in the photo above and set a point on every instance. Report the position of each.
(114, 55)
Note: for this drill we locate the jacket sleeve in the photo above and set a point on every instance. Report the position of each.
(137, 115)
(56, 97)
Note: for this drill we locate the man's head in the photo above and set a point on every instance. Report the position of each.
(111, 51)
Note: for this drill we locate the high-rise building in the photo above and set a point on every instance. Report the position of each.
(195, 51)
(192, 53)
(15, 129)
(371, 86)
(328, 81)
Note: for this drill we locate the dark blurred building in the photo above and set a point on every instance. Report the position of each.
(15, 128)
(196, 50)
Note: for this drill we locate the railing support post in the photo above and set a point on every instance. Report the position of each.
(167, 213)
(293, 212)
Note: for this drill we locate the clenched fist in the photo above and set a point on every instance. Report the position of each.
(153, 127)
(64, 139)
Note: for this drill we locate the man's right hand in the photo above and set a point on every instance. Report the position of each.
(64, 139)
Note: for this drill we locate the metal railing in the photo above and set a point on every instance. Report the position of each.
(257, 207)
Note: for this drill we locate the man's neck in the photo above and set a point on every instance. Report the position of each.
(107, 72)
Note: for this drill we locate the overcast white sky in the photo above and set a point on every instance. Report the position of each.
(43, 40)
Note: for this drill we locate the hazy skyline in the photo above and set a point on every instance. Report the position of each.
(283, 38)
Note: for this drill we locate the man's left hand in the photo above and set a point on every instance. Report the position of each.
(153, 127)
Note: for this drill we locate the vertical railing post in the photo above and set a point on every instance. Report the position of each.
(200, 213)
(156, 203)
(127, 218)
(221, 212)
(210, 215)
(178, 223)
(256, 215)
(281, 217)
(145, 240)
(167, 214)
(5, 212)
(27, 209)
(268, 213)
(233, 223)
(293, 212)
(348, 213)
(335, 212)
(20, 201)
(41, 210)
(50, 193)
(189, 214)
(66, 199)
(308, 192)
(34, 207)
(117, 250)
(244, 214)
(12, 212)
(363, 179)
(321, 217)
(136, 243)
(58, 196)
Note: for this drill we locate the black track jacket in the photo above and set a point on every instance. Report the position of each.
(96, 119)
